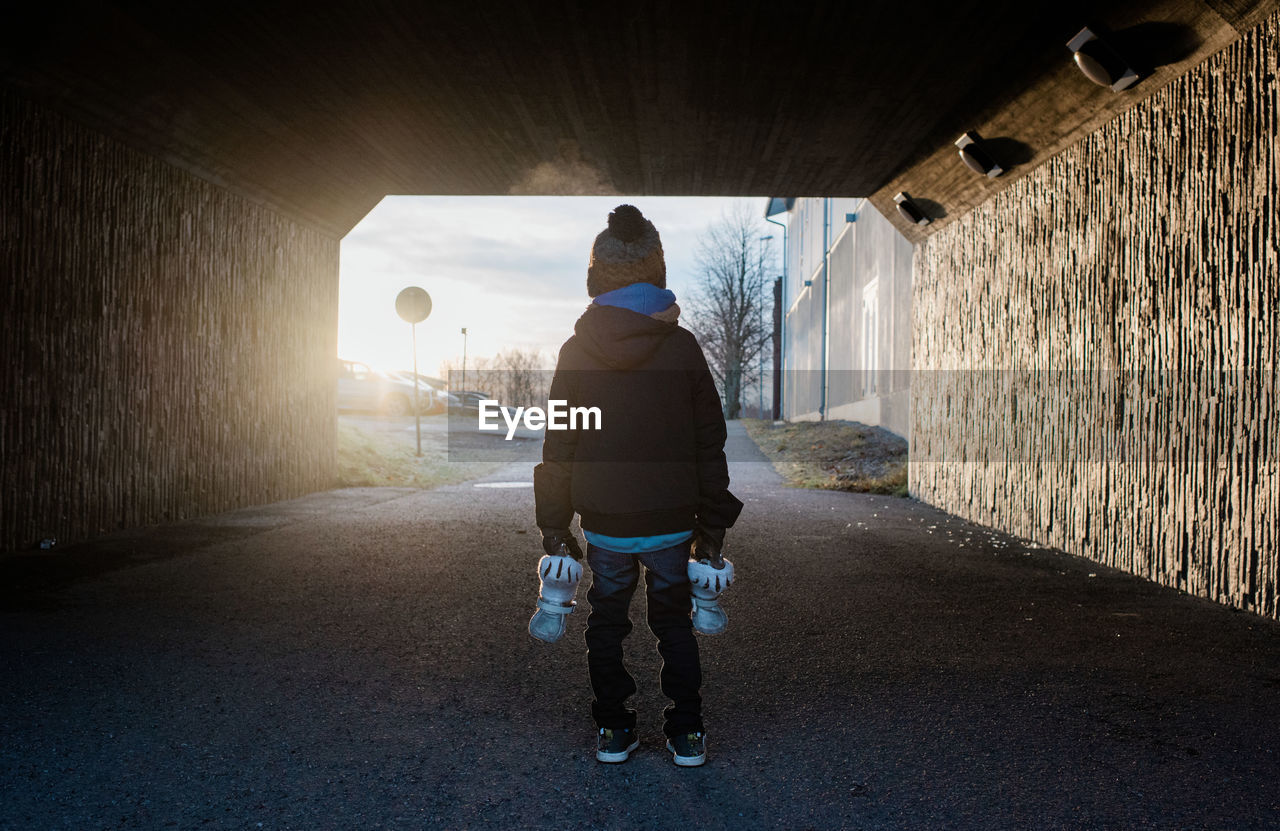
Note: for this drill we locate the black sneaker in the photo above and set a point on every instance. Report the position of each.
(615, 745)
(689, 749)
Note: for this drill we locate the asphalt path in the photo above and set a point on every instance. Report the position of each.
(359, 659)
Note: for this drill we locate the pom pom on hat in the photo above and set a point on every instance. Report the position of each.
(628, 251)
(627, 223)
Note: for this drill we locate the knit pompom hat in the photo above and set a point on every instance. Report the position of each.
(628, 251)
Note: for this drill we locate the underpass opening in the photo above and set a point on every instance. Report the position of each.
(507, 276)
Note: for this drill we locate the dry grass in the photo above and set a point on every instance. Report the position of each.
(367, 459)
(834, 455)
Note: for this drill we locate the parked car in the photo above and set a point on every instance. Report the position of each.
(430, 397)
(468, 401)
(361, 388)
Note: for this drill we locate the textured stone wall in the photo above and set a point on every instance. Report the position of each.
(167, 346)
(1097, 345)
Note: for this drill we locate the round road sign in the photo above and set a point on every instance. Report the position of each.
(413, 305)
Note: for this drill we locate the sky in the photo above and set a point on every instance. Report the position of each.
(512, 269)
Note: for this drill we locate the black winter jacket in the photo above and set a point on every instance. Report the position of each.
(657, 463)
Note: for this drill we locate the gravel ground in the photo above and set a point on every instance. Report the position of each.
(359, 659)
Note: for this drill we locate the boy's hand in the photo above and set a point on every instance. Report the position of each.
(554, 540)
(708, 544)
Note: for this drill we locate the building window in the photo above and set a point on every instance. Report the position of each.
(870, 336)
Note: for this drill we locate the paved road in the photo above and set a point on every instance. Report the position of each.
(358, 659)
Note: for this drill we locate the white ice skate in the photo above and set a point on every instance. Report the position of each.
(707, 583)
(559, 575)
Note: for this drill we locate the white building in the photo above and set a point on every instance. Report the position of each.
(846, 321)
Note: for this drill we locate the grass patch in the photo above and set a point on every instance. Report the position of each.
(368, 459)
(834, 455)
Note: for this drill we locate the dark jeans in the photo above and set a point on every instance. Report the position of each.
(613, 581)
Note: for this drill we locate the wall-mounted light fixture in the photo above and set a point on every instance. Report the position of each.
(975, 156)
(909, 210)
(1100, 63)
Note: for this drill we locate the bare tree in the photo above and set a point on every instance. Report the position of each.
(726, 310)
(521, 377)
(515, 377)
(477, 372)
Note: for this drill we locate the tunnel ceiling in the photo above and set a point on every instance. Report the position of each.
(323, 108)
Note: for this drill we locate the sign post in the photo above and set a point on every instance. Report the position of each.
(414, 305)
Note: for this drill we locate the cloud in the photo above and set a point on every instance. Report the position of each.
(510, 268)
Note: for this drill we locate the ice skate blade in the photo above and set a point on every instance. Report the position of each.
(708, 621)
(546, 627)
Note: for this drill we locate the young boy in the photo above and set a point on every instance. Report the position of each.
(649, 481)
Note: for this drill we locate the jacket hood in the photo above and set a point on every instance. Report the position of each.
(620, 338)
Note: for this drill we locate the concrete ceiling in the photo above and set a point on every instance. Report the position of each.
(322, 109)
(1058, 106)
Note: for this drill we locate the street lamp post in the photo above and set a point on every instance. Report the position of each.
(766, 241)
(780, 341)
(464, 360)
